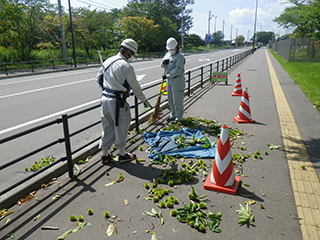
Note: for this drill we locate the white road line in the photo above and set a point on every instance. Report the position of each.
(48, 116)
(46, 88)
(140, 77)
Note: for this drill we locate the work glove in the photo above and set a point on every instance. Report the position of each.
(165, 62)
(146, 104)
(164, 77)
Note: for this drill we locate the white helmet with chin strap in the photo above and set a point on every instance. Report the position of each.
(171, 43)
(130, 44)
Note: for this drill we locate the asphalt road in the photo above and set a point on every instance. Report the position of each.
(27, 101)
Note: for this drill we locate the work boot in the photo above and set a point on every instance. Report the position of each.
(128, 157)
(105, 159)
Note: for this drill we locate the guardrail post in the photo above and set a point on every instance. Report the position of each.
(210, 71)
(227, 63)
(217, 66)
(189, 73)
(222, 65)
(67, 143)
(201, 78)
(136, 112)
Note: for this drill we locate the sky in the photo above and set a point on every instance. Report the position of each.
(238, 15)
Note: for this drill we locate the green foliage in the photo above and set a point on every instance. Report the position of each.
(33, 28)
(245, 215)
(80, 218)
(303, 17)
(239, 40)
(40, 164)
(217, 38)
(196, 218)
(263, 37)
(193, 40)
(306, 76)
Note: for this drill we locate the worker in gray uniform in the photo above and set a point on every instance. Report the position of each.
(116, 78)
(174, 61)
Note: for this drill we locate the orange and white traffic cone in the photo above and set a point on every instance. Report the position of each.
(237, 91)
(244, 115)
(222, 178)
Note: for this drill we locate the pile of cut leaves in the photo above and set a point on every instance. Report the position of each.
(184, 141)
(209, 126)
(193, 214)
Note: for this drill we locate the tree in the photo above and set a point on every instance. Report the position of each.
(24, 21)
(303, 16)
(140, 29)
(264, 37)
(151, 11)
(171, 9)
(193, 40)
(239, 40)
(217, 38)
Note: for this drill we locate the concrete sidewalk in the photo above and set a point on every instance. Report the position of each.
(289, 193)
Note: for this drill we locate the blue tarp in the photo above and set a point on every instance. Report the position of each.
(163, 142)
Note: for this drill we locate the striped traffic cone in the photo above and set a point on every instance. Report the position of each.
(244, 115)
(222, 178)
(237, 91)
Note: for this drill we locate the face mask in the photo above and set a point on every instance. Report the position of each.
(130, 58)
(172, 52)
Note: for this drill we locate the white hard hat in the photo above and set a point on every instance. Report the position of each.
(171, 43)
(130, 44)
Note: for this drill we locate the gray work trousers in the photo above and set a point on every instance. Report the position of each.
(175, 88)
(110, 132)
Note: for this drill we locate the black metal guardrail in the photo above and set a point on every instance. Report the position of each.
(57, 64)
(194, 78)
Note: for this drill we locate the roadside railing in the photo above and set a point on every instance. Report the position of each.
(7, 68)
(195, 78)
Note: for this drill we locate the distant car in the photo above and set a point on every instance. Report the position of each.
(260, 45)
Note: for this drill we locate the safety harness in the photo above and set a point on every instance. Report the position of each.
(120, 96)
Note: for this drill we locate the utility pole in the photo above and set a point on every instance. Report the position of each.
(222, 32)
(63, 39)
(182, 29)
(231, 34)
(208, 42)
(215, 23)
(255, 23)
(248, 37)
(73, 46)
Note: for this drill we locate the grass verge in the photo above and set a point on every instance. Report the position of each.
(306, 75)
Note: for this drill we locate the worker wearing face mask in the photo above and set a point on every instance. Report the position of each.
(116, 78)
(174, 74)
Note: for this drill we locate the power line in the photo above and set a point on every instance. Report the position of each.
(98, 6)
(102, 4)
